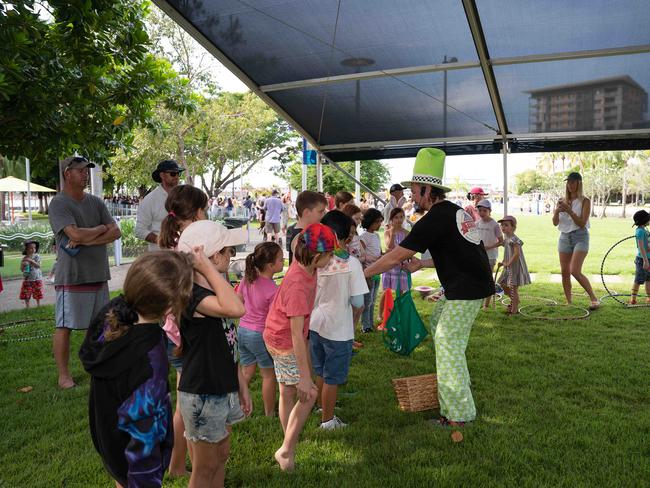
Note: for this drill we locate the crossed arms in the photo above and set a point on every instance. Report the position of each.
(92, 236)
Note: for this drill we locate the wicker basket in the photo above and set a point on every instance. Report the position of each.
(417, 393)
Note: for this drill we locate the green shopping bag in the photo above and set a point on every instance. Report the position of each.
(404, 328)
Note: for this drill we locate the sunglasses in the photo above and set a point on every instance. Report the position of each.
(172, 173)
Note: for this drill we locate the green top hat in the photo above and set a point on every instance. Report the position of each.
(428, 168)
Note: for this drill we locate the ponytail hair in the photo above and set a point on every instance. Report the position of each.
(183, 204)
(156, 283)
(118, 318)
(264, 253)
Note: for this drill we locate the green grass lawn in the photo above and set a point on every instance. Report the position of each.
(540, 245)
(559, 404)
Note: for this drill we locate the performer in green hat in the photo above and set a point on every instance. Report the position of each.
(449, 233)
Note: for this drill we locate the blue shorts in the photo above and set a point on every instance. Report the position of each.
(207, 417)
(576, 240)
(330, 359)
(252, 349)
(640, 275)
(175, 361)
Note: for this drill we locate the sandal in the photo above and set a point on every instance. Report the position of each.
(595, 305)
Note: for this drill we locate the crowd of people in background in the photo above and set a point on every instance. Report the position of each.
(179, 306)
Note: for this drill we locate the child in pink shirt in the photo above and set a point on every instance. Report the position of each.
(285, 335)
(257, 290)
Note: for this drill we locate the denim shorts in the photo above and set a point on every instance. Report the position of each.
(206, 417)
(252, 349)
(641, 275)
(330, 359)
(175, 361)
(576, 240)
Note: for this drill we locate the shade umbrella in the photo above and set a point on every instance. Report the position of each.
(12, 185)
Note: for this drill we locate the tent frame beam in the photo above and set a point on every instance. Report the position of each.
(230, 65)
(433, 68)
(579, 135)
(475, 27)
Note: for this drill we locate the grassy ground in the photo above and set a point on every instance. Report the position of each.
(560, 404)
(540, 245)
(540, 248)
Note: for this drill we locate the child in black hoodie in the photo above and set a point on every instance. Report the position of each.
(124, 351)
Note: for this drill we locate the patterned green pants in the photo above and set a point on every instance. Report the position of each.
(451, 324)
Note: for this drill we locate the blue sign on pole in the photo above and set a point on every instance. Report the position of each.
(309, 155)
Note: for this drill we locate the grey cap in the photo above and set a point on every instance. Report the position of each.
(75, 162)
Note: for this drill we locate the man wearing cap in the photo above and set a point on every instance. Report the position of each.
(476, 194)
(151, 211)
(82, 227)
(451, 236)
(396, 200)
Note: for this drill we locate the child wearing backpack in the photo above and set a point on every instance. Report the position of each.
(124, 351)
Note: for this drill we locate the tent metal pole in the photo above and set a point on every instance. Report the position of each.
(357, 181)
(319, 173)
(357, 175)
(505, 178)
(29, 190)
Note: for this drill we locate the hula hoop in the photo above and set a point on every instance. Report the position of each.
(19, 323)
(602, 278)
(547, 301)
(584, 313)
(628, 305)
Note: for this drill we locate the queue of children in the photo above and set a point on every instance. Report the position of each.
(301, 329)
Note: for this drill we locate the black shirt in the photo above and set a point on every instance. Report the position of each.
(292, 232)
(452, 238)
(209, 345)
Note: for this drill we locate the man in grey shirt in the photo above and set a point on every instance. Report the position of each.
(82, 227)
(151, 210)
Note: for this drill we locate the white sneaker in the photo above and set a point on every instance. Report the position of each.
(333, 424)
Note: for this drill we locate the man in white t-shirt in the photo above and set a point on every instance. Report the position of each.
(151, 210)
(396, 200)
(341, 287)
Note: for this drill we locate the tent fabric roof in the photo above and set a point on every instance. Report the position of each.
(378, 79)
(11, 184)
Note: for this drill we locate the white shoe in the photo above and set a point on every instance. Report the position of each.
(333, 424)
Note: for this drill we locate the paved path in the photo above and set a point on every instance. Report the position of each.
(9, 297)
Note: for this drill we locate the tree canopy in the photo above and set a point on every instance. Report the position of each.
(220, 141)
(77, 76)
(374, 174)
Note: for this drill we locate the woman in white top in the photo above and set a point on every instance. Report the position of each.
(571, 217)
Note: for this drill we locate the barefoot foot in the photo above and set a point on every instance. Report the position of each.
(66, 383)
(285, 460)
